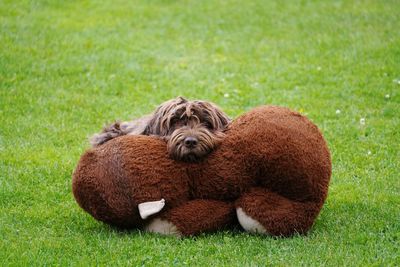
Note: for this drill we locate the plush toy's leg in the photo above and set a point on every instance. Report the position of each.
(262, 211)
(194, 217)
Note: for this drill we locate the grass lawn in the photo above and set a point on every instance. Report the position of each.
(67, 67)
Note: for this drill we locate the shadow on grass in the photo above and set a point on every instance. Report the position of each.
(336, 218)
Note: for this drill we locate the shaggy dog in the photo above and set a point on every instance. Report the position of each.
(192, 129)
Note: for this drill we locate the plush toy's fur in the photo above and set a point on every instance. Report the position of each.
(271, 172)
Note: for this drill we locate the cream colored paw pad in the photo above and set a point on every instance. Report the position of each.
(248, 223)
(163, 227)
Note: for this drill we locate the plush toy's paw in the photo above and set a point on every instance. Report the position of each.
(163, 227)
(248, 223)
(150, 208)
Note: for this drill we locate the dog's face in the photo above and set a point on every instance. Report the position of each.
(191, 128)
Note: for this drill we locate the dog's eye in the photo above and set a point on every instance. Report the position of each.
(176, 122)
(209, 125)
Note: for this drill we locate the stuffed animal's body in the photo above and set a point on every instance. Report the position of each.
(271, 173)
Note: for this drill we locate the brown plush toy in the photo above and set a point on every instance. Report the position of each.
(271, 173)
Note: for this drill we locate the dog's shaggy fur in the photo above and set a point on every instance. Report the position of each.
(192, 129)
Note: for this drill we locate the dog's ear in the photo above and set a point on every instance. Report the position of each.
(154, 124)
(223, 119)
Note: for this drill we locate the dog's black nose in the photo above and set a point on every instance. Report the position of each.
(190, 141)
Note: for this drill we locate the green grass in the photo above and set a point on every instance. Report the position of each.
(67, 67)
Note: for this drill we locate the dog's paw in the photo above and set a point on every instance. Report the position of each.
(110, 132)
